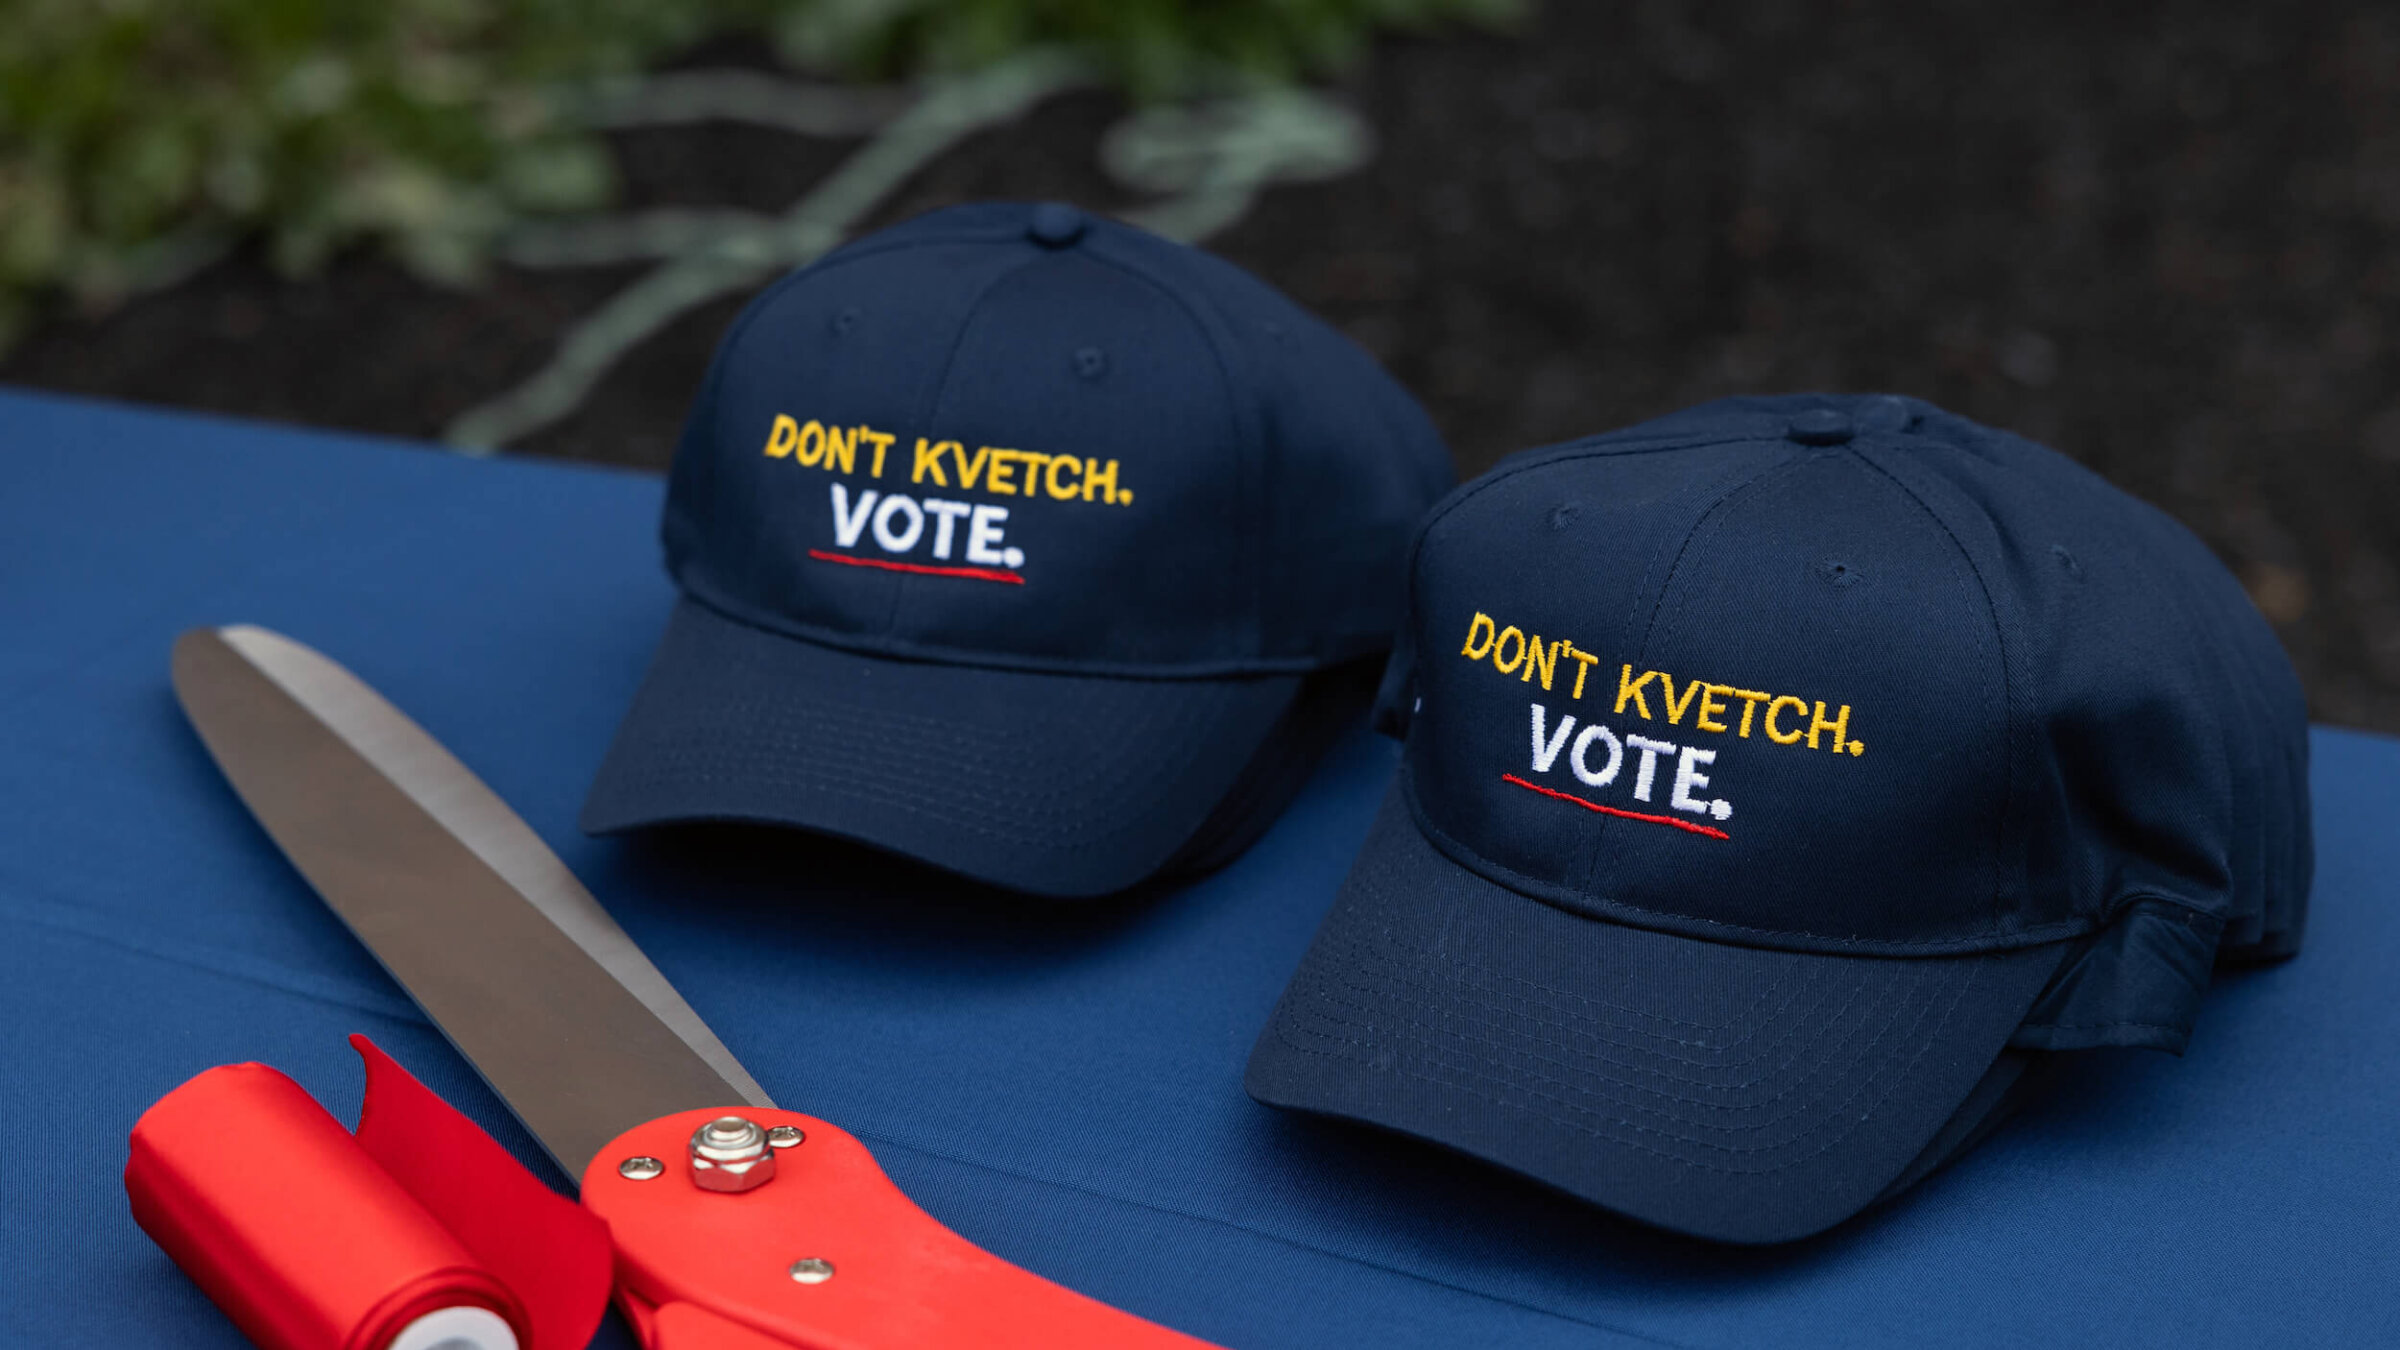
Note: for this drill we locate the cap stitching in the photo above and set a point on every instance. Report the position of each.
(679, 763)
(1556, 1026)
(1516, 1059)
(1814, 973)
(902, 587)
(1841, 1110)
(1640, 645)
(849, 253)
(1395, 972)
(1708, 515)
(951, 735)
(1501, 1050)
(900, 649)
(705, 407)
(2107, 1026)
(2193, 623)
(1568, 1016)
(1432, 472)
(1466, 492)
(2140, 563)
(1247, 506)
(669, 766)
(844, 761)
(1591, 907)
(914, 805)
(2008, 683)
(750, 315)
(1921, 1010)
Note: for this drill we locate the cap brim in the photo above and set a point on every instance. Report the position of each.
(1733, 1093)
(1057, 784)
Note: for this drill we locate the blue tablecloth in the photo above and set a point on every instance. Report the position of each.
(1060, 1084)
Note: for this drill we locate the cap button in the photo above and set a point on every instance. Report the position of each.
(1820, 426)
(1055, 225)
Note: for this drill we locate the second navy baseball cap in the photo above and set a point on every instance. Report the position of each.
(1783, 781)
(1027, 544)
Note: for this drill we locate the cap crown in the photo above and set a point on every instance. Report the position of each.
(1846, 674)
(1019, 436)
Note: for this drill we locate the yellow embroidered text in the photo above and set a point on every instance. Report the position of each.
(1655, 695)
(996, 470)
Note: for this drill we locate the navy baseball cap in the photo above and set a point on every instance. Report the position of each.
(1027, 544)
(1785, 781)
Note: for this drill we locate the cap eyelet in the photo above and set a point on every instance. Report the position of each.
(1838, 573)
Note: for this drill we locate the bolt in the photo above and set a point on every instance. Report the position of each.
(784, 1136)
(731, 1154)
(812, 1270)
(639, 1168)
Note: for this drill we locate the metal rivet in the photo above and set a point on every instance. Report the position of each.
(640, 1168)
(812, 1270)
(784, 1136)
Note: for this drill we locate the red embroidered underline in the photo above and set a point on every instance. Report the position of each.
(1615, 811)
(974, 573)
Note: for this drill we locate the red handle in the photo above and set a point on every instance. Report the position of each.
(898, 1281)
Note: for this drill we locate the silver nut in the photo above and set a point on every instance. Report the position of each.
(731, 1154)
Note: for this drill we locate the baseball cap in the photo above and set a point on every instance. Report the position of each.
(1026, 544)
(1785, 782)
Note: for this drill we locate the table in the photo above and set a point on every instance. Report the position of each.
(1059, 1082)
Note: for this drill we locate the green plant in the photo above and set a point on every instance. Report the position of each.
(138, 137)
(136, 133)
(1155, 48)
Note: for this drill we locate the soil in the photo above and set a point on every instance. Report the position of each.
(2164, 238)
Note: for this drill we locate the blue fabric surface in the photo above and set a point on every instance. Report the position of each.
(1061, 1085)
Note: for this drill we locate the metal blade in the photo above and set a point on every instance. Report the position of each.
(487, 930)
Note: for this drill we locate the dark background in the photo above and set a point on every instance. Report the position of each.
(2163, 238)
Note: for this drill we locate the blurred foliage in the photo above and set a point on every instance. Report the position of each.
(1155, 48)
(139, 137)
